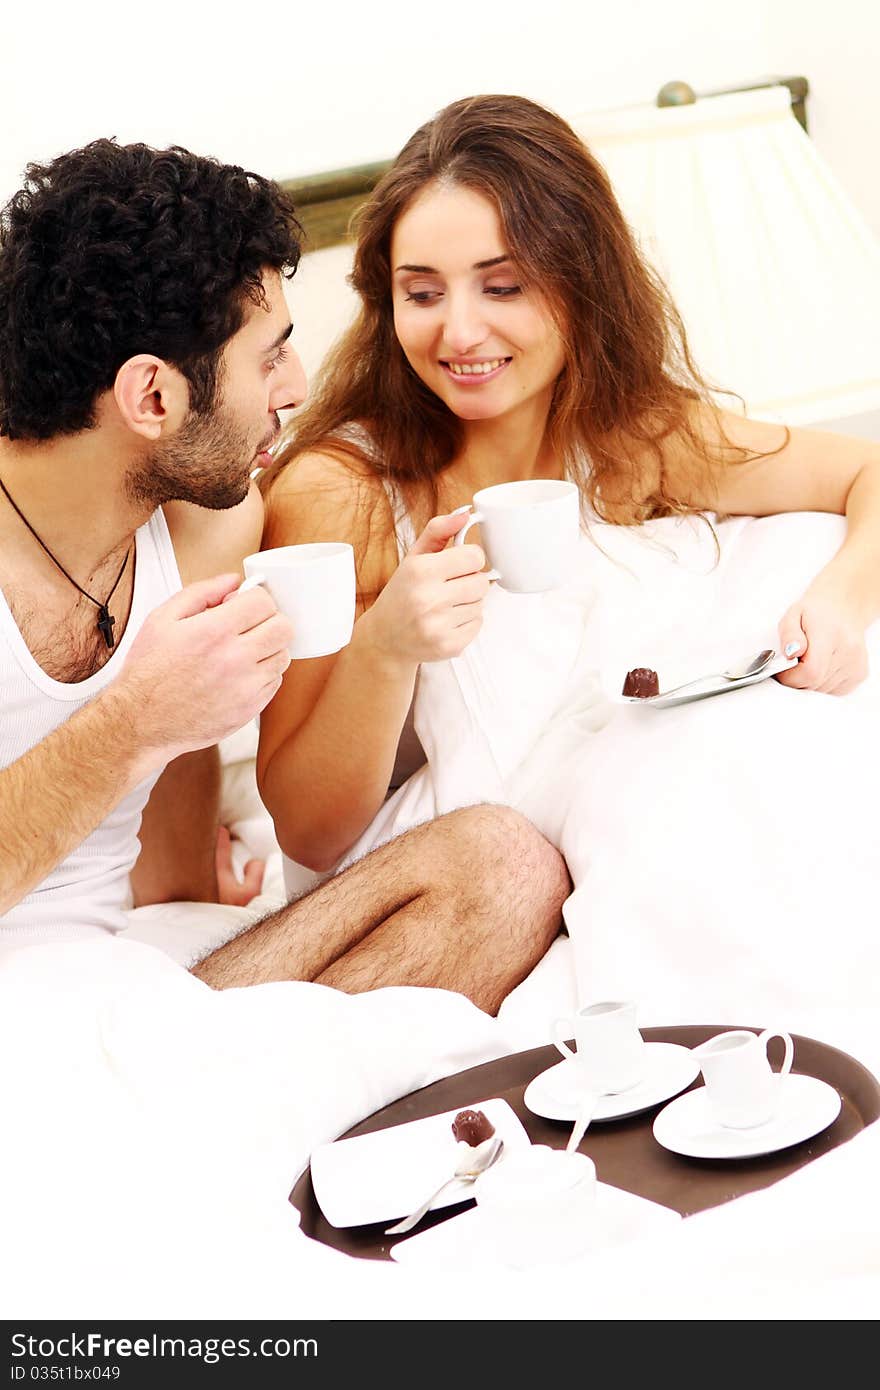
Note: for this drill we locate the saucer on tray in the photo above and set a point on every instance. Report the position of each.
(807, 1106)
(669, 1068)
(383, 1175)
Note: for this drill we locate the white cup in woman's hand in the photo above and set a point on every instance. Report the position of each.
(312, 585)
(529, 531)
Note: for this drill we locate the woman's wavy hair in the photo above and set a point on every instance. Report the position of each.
(628, 378)
(112, 250)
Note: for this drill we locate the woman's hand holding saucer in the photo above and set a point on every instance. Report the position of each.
(825, 632)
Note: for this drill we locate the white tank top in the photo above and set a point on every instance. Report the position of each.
(88, 893)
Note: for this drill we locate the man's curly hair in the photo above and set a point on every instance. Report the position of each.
(113, 250)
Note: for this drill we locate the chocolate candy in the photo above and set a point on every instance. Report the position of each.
(472, 1127)
(641, 682)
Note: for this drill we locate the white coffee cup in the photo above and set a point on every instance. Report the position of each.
(538, 1206)
(741, 1088)
(312, 585)
(529, 531)
(610, 1053)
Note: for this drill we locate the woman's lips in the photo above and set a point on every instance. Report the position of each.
(474, 373)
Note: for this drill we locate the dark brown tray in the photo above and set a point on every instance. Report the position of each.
(625, 1151)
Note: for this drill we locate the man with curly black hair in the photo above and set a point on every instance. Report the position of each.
(144, 357)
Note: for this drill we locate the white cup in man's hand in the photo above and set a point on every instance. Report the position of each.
(529, 532)
(741, 1088)
(312, 585)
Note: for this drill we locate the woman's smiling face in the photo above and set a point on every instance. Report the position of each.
(479, 338)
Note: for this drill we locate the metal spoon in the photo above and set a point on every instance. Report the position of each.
(468, 1168)
(753, 668)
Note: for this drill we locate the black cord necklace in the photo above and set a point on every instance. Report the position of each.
(106, 620)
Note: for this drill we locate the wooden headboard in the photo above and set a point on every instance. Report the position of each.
(325, 202)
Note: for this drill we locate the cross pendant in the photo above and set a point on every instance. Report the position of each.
(106, 623)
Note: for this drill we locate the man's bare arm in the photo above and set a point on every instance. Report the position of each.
(178, 833)
(198, 670)
(54, 796)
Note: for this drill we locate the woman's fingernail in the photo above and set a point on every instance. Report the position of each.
(791, 648)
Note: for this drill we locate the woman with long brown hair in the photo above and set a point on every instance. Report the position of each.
(509, 329)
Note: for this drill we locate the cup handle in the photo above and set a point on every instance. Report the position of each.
(460, 535)
(563, 1025)
(250, 583)
(764, 1039)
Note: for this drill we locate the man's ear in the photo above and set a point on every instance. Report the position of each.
(152, 397)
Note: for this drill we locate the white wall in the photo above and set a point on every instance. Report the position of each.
(836, 45)
(300, 87)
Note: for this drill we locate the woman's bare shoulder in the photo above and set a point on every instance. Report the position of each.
(329, 496)
(321, 484)
(320, 470)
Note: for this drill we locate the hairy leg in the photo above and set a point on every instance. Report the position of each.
(469, 902)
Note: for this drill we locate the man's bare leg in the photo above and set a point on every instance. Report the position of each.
(469, 902)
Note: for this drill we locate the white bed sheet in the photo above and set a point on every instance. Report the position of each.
(725, 855)
(155, 1127)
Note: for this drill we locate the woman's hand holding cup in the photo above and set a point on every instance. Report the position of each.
(432, 606)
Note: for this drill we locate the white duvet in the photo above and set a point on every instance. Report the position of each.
(725, 854)
(153, 1130)
(724, 862)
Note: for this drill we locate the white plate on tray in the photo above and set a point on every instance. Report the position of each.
(807, 1106)
(461, 1242)
(669, 1068)
(387, 1174)
(710, 685)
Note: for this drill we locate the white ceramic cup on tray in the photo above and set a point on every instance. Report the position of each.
(538, 1206)
(529, 531)
(610, 1054)
(312, 585)
(742, 1090)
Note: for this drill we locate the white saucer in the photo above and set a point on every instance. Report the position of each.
(383, 1175)
(807, 1106)
(669, 1067)
(710, 685)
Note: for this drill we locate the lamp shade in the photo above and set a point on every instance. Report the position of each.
(774, 271)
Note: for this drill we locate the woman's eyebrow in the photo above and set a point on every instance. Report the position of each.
(432, 270)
